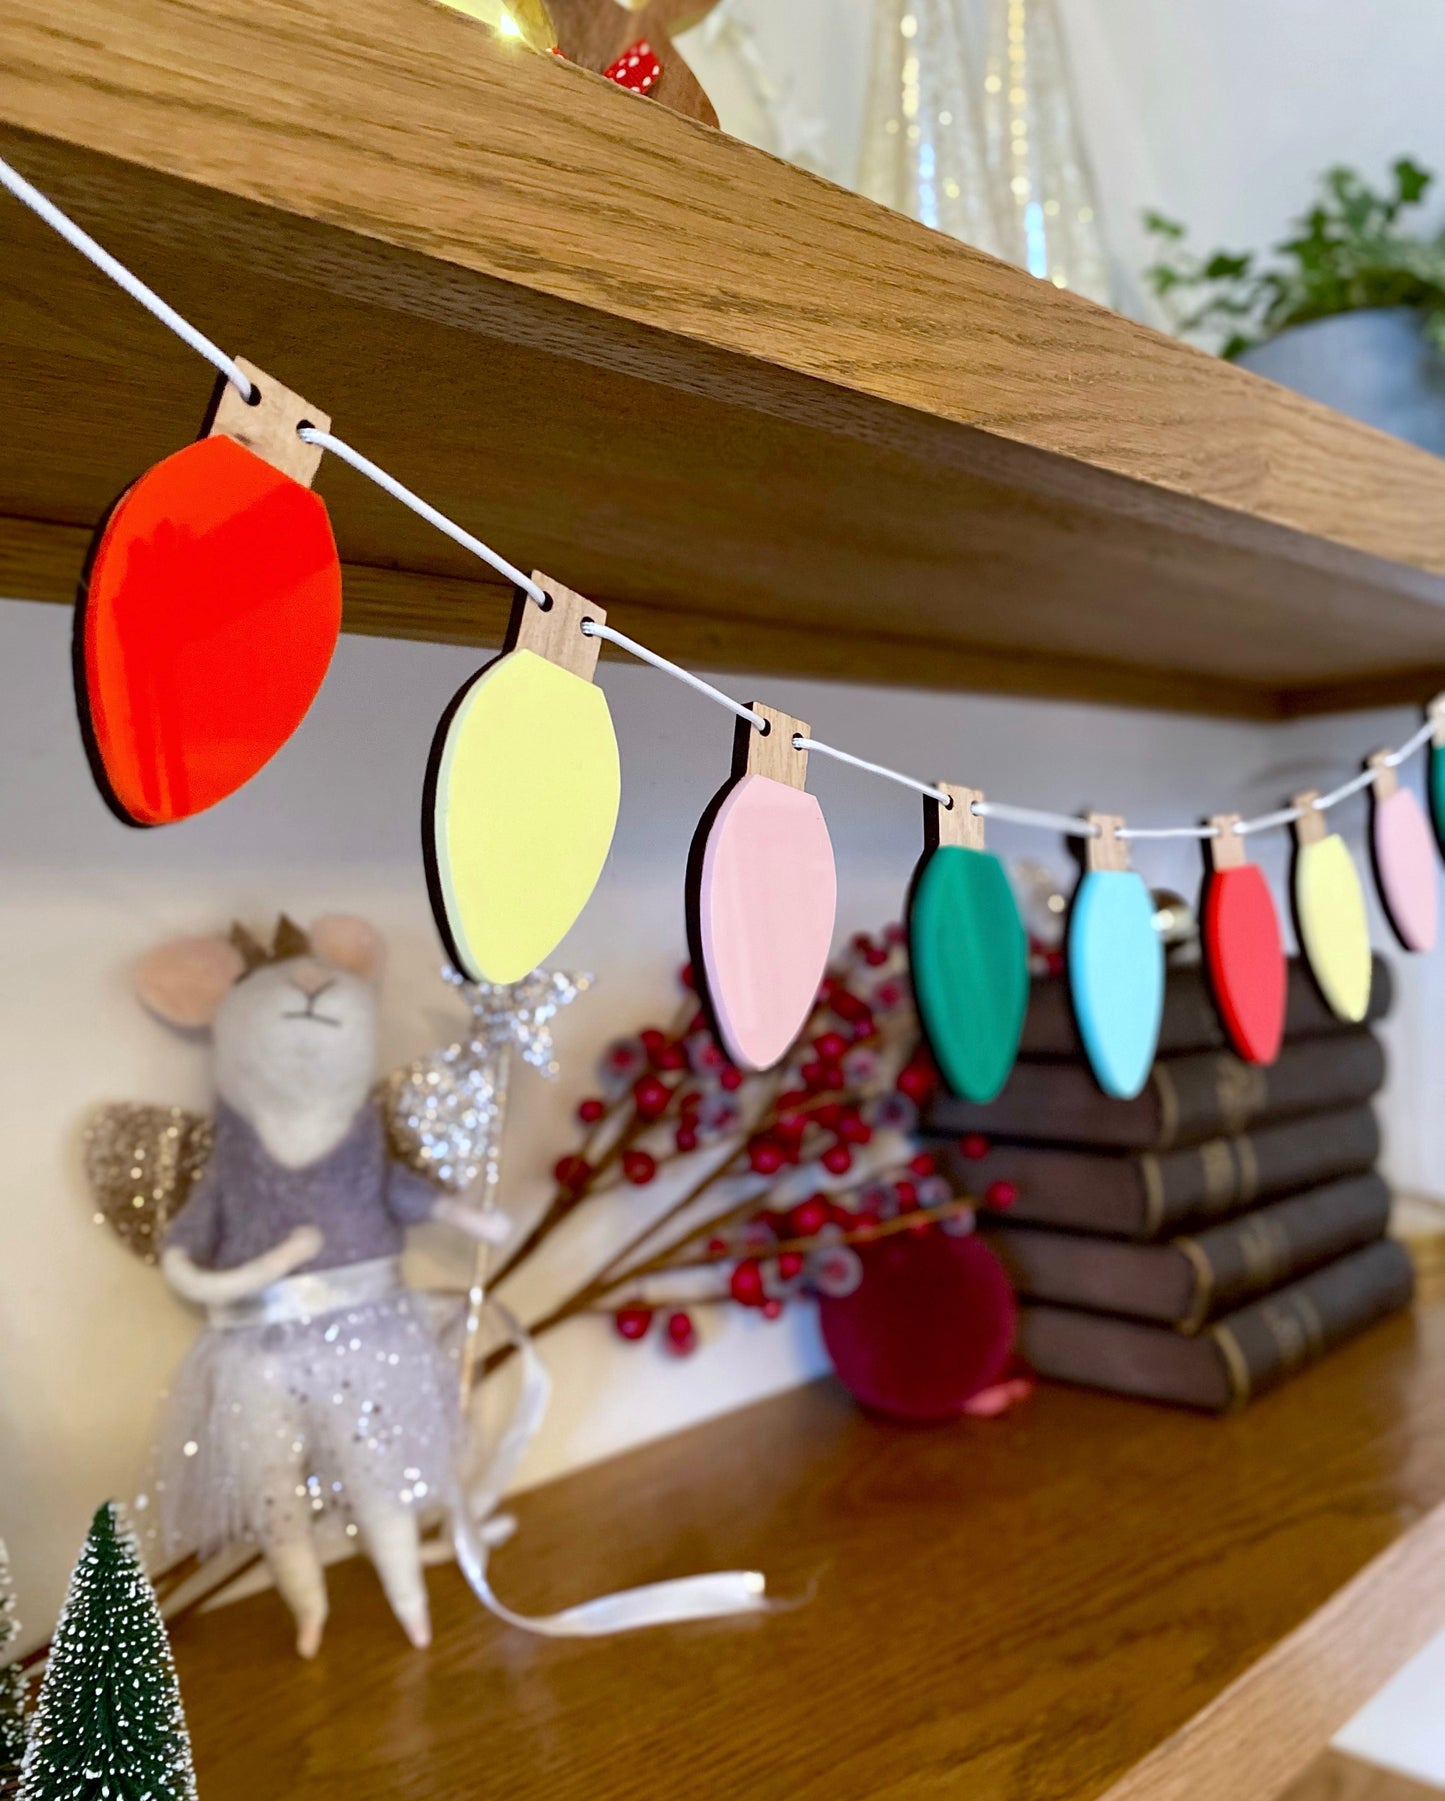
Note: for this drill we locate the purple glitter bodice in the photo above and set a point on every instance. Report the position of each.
(245, 1203)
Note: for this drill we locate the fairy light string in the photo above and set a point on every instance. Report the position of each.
(1069, 825)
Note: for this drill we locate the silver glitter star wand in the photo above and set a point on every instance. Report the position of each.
(449, 1109)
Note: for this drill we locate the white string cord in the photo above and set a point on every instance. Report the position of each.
(1345, 790)
(891, 775)
(1416, 741)
(1268, 822)
(121, 276)
(1069, 825)
(594, 630)
(422, 508)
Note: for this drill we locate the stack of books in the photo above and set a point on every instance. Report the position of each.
(1204, 1241)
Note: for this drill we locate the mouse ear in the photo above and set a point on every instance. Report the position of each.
(349, 943)
(185, 981)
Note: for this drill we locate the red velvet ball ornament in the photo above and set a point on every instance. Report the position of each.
(1001, 1195)
(790, 1264)
(974, 1146)
(931, 1323)
(639, 1167)
(837, 1159)
(590, 1110)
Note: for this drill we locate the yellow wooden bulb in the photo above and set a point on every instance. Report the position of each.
(527, 785)
(1334, 931)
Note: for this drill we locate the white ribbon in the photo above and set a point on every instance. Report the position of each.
(657, 1604)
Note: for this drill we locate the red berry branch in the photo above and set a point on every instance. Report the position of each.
(793, 1166)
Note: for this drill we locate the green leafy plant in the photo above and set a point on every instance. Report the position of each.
(1349, 251)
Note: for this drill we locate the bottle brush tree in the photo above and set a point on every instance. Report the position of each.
(12, 1684)
(108, 1725)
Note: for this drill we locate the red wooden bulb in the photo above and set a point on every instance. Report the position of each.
(205, 626)
(1243, 950)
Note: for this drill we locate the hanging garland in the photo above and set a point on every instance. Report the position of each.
(220, 560)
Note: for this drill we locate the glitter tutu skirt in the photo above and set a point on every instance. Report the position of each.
(274, 1422)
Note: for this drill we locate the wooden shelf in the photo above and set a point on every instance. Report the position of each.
(774, 425)
(1087, 1597)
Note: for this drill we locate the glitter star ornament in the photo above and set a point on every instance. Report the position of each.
(109, 1722)
(447, 1109)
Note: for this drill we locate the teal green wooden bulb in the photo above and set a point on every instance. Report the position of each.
(1437, 792)
(970, 968)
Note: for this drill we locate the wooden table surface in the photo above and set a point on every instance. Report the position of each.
(1003, 1611)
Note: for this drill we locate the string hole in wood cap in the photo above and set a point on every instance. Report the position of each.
(1310, 827)
(1386, 777)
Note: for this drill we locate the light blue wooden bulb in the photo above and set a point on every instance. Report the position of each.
(1116, 966)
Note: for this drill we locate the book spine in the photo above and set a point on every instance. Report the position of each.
(1263, 1344)
(1250, 1256)
(1187, 1099)
(1191, 1021)
(1238, 1358)
(1159, 1194)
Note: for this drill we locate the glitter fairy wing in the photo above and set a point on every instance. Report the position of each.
(142, 1162)
(440, 1114)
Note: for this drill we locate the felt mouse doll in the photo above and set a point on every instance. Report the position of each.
(319, 1383)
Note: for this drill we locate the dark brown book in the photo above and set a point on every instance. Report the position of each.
(1192, 1280)
(1210, 1094)
(1191, 1020)
(1239, 1356)
(1151, 1195)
